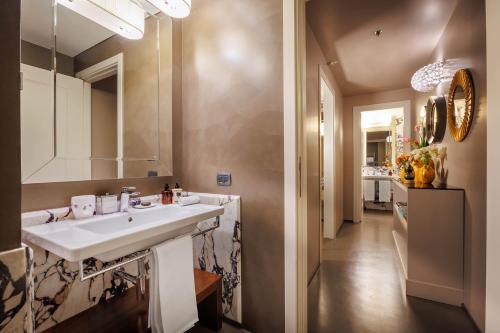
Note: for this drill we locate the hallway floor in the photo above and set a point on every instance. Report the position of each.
(359, 288)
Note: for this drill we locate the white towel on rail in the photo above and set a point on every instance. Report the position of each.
(384, 191)
(369, 190)
(172, 300)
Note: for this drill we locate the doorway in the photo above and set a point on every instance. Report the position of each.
(327, 158)
(372, 173)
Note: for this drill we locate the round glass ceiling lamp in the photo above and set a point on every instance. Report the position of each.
(429, 76)
(123, 17)
(173, 8)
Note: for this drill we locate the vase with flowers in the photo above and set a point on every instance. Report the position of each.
(403, 163)
(423, 159)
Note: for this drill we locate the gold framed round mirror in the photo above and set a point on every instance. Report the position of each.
(435, 119)
(460, 105)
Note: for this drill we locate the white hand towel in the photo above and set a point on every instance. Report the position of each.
(172, 300)
(384, 190)
(191, 200)
(369, 190)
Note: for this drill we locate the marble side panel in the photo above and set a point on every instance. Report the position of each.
(15, 314)
(219, 251)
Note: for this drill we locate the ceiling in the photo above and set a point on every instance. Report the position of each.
(368, 64)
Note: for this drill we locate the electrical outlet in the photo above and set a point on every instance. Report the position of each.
(224, 178)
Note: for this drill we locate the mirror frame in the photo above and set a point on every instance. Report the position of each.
(461, 79)
(435, 119)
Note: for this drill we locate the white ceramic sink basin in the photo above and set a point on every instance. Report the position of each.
(113, 236)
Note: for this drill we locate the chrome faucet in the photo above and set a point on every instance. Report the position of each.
(129, 198)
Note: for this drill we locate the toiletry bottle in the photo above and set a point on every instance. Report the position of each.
(170, 196)
(164, 195)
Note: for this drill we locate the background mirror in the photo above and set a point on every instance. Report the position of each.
(435, 119)
(109, 119)
(378, 147)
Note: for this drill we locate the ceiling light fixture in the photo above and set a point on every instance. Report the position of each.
(173, 8)
(332, 63)
(429, 76)
(123, 17)
(378, 32)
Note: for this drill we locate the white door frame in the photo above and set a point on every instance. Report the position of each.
(295, 166)
(493, 158)
(104, 69)
(329, 225)
(356, 132)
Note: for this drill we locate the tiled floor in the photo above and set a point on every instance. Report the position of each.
(358, 288)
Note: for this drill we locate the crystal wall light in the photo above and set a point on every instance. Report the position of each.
(429, 76)
(123, 17)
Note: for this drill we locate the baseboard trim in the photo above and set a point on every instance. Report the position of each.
(434, 292)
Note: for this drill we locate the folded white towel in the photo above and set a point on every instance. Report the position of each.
(191, 200)
(384, 190)
(369, 190)
(172, 300)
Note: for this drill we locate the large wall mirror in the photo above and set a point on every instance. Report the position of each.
(110, 115)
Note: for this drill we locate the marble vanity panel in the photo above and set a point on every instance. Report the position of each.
(15, 289)
(58, 292)
(219, 251)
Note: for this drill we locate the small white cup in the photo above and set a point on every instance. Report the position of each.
(83, 206)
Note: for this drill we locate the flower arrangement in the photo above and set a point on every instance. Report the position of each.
(403, 160)
(426, 155)
(420, 142)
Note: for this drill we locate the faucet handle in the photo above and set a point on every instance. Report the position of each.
(128, 189)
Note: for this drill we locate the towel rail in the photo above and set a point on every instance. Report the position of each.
(143, 255)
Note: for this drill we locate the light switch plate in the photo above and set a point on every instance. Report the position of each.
(224, 178)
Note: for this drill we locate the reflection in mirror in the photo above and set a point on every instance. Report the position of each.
(459, 102)
(378, 147)
(110, 120)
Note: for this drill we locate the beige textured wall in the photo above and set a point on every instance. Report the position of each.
(465, 41)
(10, 136)
(493, 139)
(349, 104)
(233, 121)
(50, 195)
(315, 60)
(103, 128)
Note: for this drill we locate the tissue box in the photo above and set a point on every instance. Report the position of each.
(107, 204)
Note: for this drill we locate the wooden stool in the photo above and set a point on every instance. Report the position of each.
(208, 288)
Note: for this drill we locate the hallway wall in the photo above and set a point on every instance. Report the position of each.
(315, 59)
(349, 104)
(232, 120)
(464, 40)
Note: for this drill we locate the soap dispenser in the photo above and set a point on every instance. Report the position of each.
(164, 195)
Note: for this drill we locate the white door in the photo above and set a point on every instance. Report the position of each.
(72, 149)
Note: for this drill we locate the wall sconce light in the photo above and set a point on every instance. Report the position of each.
(173, 8)
(429, 76)
(123, 17)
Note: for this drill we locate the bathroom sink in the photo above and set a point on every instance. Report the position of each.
(113, 236)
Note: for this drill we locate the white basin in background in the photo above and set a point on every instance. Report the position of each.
(113, 236)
